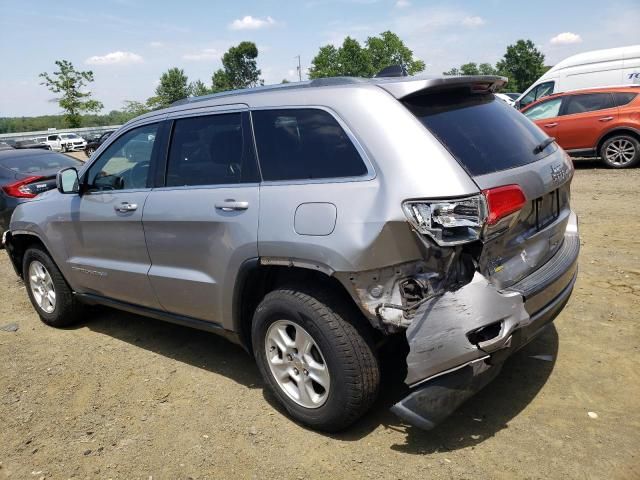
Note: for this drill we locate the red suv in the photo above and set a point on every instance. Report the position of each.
(602, 122)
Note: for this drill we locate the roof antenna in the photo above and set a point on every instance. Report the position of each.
(392, 71)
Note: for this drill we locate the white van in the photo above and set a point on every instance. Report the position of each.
(598, 68)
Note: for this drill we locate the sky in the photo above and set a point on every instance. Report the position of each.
(129, 43)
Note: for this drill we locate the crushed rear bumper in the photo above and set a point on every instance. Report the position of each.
(458, 342)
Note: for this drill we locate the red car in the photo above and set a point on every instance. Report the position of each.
(602, 122)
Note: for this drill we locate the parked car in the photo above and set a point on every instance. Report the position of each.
(25, 174)
(92, 146)
(5, 146)
(508, 98)
(66, 142)
(22, 144)
(315, 223)
(598, 68)
(602, 122)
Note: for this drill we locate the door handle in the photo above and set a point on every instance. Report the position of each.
(549, 125)
(605, 119)
(231, 205)
(125, 207)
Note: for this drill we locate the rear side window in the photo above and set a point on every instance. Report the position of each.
(299, 144)
(484, 134)
(623, 98)
(210, 150)
(588, 102)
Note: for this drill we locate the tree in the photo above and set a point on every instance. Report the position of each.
(174, 86)
(388, 49)
(68, 81)
(522, 64)
(351, 59)
(134, 109)
(239, 69)
(472, 68)
(198, 88)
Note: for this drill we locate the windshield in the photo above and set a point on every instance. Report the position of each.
(485, 135)
(38, 163)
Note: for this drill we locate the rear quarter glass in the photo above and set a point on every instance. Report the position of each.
(483, 134)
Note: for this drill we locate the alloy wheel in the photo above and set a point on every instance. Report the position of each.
(297, 364)
(620, 152)
(42, 287)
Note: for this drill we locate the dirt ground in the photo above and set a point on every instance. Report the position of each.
(120, 396)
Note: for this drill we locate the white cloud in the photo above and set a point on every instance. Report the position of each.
(113, 58)
(403, 3)
(204, 54)
(473, 21)
(156, 44)
(566, 38)
(251, 23)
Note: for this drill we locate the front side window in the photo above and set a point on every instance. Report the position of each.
(124, 165)
(538, 92)
(302, 144)
(547, 109)
(210, 150)
(588, 102)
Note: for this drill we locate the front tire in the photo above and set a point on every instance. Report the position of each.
(620, 151)
(48, 291)
(320, 365)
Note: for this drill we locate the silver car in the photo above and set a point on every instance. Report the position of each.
(313, 223)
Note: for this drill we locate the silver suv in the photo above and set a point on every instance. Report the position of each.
(313, 223)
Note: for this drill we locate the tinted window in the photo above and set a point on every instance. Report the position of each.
(210, 150)
(623, 98)
(484, 134)
(38, 163)
(296, 144)
(588, 103)
(125, 163)
(546, 109)
(52, 137)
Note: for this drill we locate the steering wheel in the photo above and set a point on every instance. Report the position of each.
(138, 175)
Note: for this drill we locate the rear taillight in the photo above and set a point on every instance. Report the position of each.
(462, 220)
(503, 201)
(21, 188)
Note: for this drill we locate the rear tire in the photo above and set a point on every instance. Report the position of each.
(48, 291)
(620, 151)
(340, 356)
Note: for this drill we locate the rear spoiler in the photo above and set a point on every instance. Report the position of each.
(406, 88)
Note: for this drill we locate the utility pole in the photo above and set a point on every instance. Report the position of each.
(299, 67)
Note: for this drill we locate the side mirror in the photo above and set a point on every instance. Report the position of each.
(68, 181)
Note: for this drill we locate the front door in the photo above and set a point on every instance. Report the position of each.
(202, 224)
(546, 115)
(106, 238)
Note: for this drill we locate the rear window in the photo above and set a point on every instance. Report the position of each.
(623, 98)
(298, 144)
(38, 163)
(588, 102)
(485, 135)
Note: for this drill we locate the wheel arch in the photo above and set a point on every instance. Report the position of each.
(616, 131)
(17, 243)
(255, 279)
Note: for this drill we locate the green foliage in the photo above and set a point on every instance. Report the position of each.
(44, 122)
(174, 86)
(134, 109)
(351, 59)
(522, 64)
(239, 69)
(473, 69)
(69, 82)
(388, 49)
(198, 89)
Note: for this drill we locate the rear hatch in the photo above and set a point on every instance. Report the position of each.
(498, 146)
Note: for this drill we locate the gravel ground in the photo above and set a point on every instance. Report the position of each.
(120, 396)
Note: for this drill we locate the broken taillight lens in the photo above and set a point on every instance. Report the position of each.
(21, 188)
(457, 221)
(448, 222)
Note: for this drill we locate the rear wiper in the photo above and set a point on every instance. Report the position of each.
(544, 144)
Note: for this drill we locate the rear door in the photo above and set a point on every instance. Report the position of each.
(201, 223)
(108, 253)
(584, 118)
